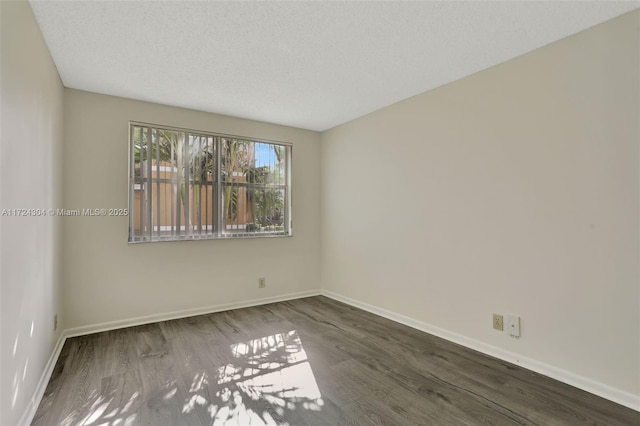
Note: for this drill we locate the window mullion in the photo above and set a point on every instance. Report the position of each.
(187, 184)
(132, 181)
(149, 187)
(179, 137)
(143, 186)
(288, 224)
(173, 182)
(218, 192)
(158, 219)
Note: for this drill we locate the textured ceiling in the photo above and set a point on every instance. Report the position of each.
(312, 65)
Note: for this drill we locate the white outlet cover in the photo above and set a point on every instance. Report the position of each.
(513, 325)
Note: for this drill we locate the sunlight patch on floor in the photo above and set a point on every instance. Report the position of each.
(272, 375)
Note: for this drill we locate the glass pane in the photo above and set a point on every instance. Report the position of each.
(251, 210)
(269, 163)
(237, 158)
(173, 184)
(269, 206)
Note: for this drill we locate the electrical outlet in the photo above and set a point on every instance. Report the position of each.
(55, 322)
(498, 322)
(262, 282)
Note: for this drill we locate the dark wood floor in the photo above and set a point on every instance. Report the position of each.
(308, 361)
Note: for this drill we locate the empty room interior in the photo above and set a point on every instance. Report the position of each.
(320, 213)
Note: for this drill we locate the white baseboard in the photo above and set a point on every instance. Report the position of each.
(27, 416)
(618, 396)
(113, 325)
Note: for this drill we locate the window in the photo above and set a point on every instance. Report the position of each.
(186, 185)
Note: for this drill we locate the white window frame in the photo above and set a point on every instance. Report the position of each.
(143, 211)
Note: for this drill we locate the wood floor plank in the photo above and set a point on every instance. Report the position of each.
(348, 381)
(372, 411)
(415, 371)
(329, 413)
(309, 361)
(323, 348)
(51, 392)
(199, 327)
(162, 393)
(397, 371)
(122, 401)
(554, 401)
(79, 387)
(149, 340)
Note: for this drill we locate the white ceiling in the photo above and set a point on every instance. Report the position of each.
(312, 65)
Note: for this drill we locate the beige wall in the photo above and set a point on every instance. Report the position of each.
(30, 169)
(106, 279)
(514, 190)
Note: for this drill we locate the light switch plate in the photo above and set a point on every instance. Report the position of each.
(513, 325)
